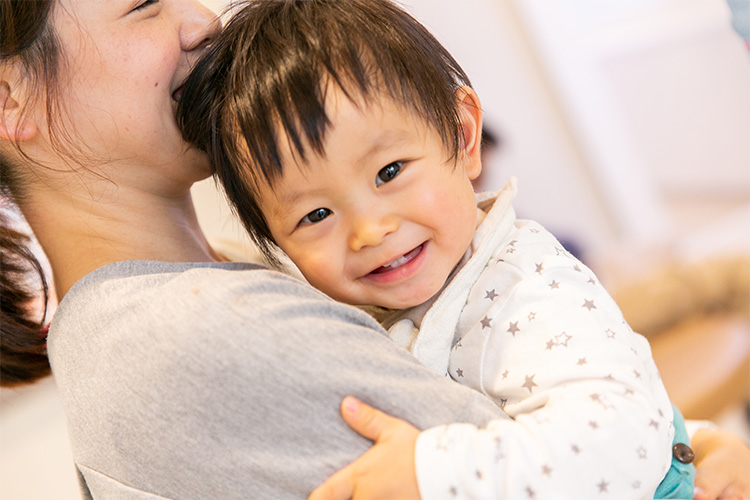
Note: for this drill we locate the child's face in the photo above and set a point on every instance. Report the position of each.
(385, 216)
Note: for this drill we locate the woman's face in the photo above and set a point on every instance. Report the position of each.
(126, 61)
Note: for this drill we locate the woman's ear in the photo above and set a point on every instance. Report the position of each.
(14, 125)
(470, 114)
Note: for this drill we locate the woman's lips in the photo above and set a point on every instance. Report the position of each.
(404, 259)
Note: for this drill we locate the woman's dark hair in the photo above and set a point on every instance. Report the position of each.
(266, 76)
(28, 42)
(23, 353)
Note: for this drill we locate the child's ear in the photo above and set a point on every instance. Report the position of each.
(14, 125)
(470, 114)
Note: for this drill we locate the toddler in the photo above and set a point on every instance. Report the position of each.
(347, 136)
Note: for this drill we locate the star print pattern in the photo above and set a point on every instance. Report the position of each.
(529, 384)
(513, 328)
(540, 335)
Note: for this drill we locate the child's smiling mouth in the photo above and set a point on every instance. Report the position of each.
(400, 261)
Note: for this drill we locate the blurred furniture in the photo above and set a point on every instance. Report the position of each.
(705, 363)
(696, 316)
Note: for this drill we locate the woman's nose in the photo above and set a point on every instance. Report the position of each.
(371, 230)
(199, 27)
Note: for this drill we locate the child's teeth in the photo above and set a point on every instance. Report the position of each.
(398, 262)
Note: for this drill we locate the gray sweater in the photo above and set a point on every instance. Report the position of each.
(223, 381)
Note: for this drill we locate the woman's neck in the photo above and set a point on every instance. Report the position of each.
(80, 235)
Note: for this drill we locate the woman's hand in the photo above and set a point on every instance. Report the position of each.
(722, 463)
(385, 471)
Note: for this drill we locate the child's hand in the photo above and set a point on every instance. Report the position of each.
(722, 466)
(385, 471)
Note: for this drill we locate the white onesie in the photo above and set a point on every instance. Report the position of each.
(526, 323)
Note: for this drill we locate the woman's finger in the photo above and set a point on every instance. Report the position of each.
(364, 419)
(339, 486)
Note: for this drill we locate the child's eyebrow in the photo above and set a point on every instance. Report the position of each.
(384, 141)
(288, 200)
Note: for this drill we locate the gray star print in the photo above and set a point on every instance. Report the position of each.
(603, 485)
(513, 328)
(530, 384)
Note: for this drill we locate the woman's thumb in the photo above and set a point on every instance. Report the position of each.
(363, 418)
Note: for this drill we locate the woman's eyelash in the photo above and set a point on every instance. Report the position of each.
(145, 4)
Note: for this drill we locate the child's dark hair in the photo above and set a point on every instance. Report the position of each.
(266, 76)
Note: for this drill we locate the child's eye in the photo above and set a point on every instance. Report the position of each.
(315, 216)
(144, 5)
(388, 173)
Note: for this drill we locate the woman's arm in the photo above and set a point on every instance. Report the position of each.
(722, 460)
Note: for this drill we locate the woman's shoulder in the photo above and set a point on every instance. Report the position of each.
(146, 299)
(183, 357)
(134, 292)
(182, 304)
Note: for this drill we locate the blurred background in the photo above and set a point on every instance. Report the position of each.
(627, 124)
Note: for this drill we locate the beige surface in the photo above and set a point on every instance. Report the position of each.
(705, 364)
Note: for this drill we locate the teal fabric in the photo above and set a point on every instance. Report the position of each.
(741, 17)
(678, 483)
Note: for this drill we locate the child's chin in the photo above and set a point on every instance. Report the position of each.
(407, 302)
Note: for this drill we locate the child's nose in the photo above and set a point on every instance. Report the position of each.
(369, 231)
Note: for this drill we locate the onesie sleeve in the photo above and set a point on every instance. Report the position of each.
(590, 417)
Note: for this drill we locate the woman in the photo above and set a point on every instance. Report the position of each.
(182, 376)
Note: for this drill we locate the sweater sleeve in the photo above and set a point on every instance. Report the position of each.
(216, 383)
(590, 417)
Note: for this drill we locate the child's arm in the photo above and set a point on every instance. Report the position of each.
(722, 461)
(590, 416)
